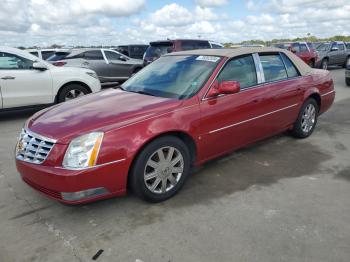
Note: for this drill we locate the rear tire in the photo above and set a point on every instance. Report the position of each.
(71, 91)
(347, 81)
(307, 119)
(161, 169)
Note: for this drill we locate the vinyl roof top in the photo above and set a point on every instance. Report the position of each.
(303, 68)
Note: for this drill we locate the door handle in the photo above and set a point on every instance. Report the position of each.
(8, 78)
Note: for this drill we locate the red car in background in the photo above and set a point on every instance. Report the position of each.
(304, 50)
(180, 111)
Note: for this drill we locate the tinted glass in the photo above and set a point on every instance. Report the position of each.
(13, 62)
(35, 53)
(296, 47)
(93, 55)
(112, 56)
(47, 54)
(323, 47)
(303, 48)
(215, 46)
(173, 76)
(341, 47)
(137, 51)
(282, 46)
(158, 49)
(240, 69)
(273, 67)
(202, 45)
(291, 69)
(58, 56)
(123, 49)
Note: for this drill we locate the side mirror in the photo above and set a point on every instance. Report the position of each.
(224, 88)
(39, 66)
(123, 58)
(334, 49)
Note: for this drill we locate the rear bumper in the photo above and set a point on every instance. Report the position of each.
(52, 181)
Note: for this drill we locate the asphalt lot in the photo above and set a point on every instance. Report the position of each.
(279, 200)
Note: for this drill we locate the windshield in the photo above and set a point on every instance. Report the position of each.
(173, 76)
(157, 50)
(323, 47)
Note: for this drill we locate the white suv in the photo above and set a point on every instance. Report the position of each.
(26, 80)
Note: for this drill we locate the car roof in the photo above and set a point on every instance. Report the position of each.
(234, 52)
(16, 51)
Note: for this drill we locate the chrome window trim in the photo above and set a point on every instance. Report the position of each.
(258, 68)
(251, 119)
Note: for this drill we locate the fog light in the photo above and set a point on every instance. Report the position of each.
(74, 196)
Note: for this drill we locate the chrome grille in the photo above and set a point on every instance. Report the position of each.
(33, 148)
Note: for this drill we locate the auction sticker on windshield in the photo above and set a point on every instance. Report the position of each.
(213, 59)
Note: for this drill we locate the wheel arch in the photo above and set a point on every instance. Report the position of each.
(184, 136)
(70, 83)
(317, 98)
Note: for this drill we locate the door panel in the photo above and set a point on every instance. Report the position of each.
(232, 121)
(21, 85)
(26, 88)
(117, 68)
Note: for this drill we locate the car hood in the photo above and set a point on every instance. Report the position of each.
(103, 111)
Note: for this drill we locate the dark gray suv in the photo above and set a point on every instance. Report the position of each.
(333, 53)
(111, 66)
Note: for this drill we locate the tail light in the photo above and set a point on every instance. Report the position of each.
(59, 63)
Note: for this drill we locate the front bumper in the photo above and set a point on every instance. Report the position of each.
(53, 181)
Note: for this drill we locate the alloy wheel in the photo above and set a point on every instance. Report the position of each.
(309, 118)
(163, 170)
(75, 93)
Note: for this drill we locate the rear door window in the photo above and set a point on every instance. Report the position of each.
(273, 67)
(93, 55)
(240, 69)
(112, 55)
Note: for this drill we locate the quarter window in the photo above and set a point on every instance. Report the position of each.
(273, 67)
(240, 69)
(291, 69)
(13, 62)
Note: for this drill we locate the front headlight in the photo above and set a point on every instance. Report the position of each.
(83, 151)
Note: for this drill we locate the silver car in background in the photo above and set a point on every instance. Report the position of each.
(111, 66)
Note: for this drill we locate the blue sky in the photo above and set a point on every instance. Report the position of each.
(107, 22)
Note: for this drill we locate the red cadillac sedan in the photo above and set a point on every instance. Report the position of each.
(180, 111)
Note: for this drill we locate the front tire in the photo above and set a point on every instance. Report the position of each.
(324, 64)
(161, 169)
(71, 91)
(307, 119)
